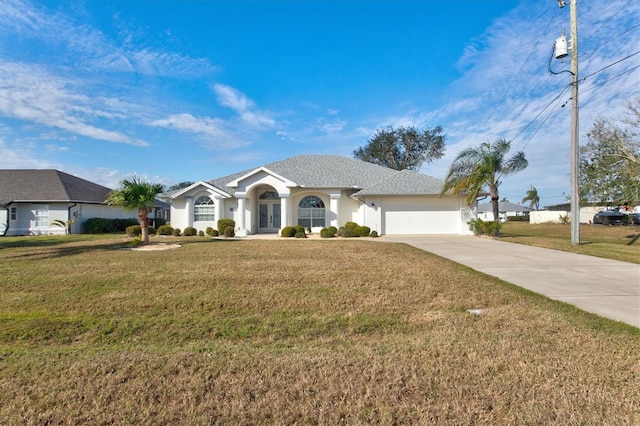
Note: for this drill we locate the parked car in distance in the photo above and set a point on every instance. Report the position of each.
(609, 217)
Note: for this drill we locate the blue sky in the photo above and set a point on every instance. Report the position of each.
(193, 90)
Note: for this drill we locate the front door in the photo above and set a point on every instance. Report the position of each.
(269, 217)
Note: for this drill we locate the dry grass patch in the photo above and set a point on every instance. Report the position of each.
(308, 332)
(611, 242)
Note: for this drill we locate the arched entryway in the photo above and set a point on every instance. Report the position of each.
(269, 211)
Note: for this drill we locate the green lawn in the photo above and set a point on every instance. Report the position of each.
(611, 242)
(294, 331)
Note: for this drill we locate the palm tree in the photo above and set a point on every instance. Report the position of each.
(533, 198)
(477, 168)
(136, 194)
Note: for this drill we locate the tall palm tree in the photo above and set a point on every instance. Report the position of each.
(136, 194)
(477, 168)
(533, 198)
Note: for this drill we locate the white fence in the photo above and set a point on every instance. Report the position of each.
(553, 216)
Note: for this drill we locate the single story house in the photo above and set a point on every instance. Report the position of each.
(30, 200)
(505, 210)
(318, 191)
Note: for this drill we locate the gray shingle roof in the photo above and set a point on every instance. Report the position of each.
(48, 186)
(405, 182)
(335, 171)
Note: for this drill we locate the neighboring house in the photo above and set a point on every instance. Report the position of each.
(161, 210)
(30, 200)
(505, 210)
(318, 191)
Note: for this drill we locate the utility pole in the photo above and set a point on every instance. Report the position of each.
(575, 193)
(561, 52)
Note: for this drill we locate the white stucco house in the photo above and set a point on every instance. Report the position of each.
(318, 191)
(31, 200)
(505, 210)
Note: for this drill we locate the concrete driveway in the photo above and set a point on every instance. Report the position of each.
(605, 287)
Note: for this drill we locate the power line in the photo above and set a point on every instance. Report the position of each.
(609, 66)
(504, 94)
(609, 79)
(540, 113)
(610, 40)
(606, 22)
(542, 124)
(529, 101)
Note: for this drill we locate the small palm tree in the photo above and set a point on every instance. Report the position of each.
(477, 168)
(136, 194)
(533, 198)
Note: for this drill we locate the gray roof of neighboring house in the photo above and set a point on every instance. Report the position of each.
(48, 186)
(335, 171)
(503, 206)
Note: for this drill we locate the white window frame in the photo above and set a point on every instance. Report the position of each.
(13, 213)
(41, 214)
(311, 208)
(204, 209)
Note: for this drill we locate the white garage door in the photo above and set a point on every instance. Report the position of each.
(430, 216)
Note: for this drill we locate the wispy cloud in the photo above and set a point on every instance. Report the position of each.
(188, 123)
(20, 157)
(32, 94)
(69, 89)
(86, 47)
(244, 107)
(330, 126)
(212, 133)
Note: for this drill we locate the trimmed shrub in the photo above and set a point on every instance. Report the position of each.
(299, 228)
(373, 234)
(333, 230)
(209, 231)
(165, 230)
(362, 231)
(230, 231)
(350, 225)
(134, 230)
(200, 233)
(326, 233)
(223, 224)
(288, 232)
(190, 231)
(301, 235)
(340, 231)
(176, 232)
(347, 233)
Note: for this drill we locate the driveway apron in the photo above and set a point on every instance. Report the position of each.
(608, 288)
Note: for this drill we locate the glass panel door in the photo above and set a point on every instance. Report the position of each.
(264, 216)
(276, 216)
(269, 217)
